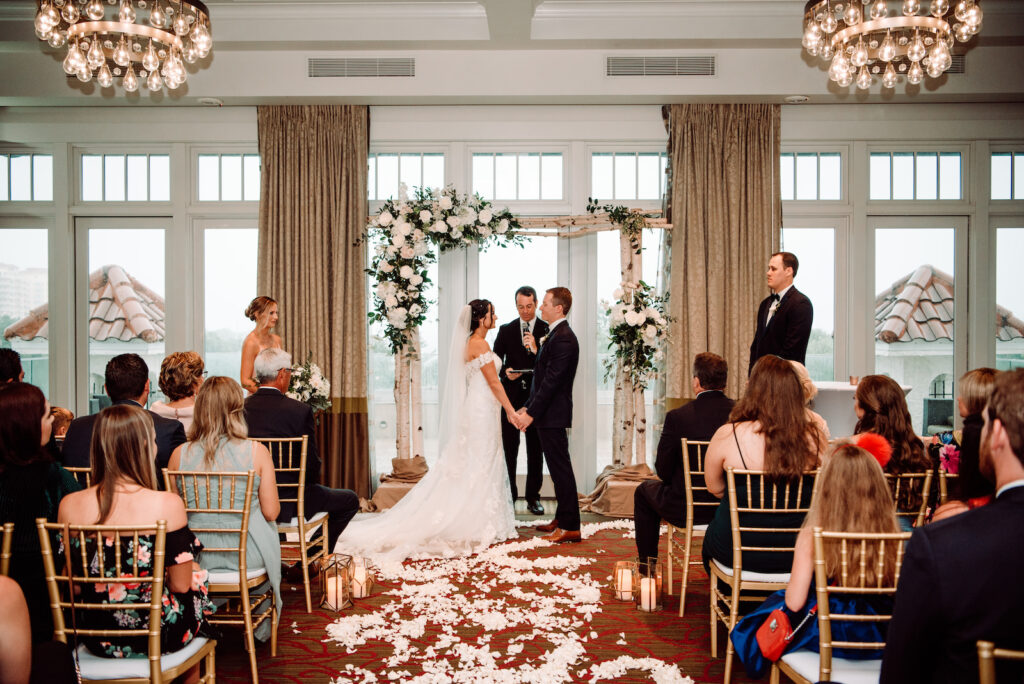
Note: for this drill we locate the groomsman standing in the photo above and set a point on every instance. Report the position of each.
(516, 346)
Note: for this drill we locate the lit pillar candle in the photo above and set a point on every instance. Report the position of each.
(624, 584)
(647, 591)
(335, 592)
(360, 585)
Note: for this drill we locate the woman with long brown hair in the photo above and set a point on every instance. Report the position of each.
(263, 312)
(123, 453)
(768, 430)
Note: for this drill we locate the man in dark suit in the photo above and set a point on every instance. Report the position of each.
(10, 366)
(550, 407)
(516, 346)
(784, 317)
(665, 499)
(961, 577)
(270, 413)
(126, 382)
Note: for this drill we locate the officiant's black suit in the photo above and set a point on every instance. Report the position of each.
(508, 345)
(550, 406)
(787, 333)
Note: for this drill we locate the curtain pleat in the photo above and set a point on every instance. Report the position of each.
(312, 215)
(726, 214)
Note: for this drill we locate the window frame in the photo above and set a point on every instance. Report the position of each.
(1014, 205)
(520, 207)
(639, 148)
(968, 188)
(88, 206)
(374, 206)
(844, 201)
(32, 205)
(219, 205)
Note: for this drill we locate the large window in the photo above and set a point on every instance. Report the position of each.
(915, 176)
(126, 178)
(815, 248)
(228, 178)
(229, 284)
(387, 171)
(628, 175)
(23, 301)
(1009, 298)
(518, 175)
(810, 175)
(26, 178)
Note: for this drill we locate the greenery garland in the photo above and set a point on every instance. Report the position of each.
(405, 235)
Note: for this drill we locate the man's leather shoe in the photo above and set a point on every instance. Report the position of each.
(535, 508)
(548, 527)
(560, 536)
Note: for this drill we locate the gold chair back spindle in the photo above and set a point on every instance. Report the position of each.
(83, 475)
(693, 479)
(988, 654)
(915, 486)
(6, 536)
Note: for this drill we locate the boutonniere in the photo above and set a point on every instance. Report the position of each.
(540, 343)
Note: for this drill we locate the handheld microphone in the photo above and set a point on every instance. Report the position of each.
(524, 327)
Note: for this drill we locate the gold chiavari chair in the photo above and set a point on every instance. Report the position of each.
(209, 494)
(67, 598)
(289, 456)
(786, 503)
(83, 475)
(679, 551)
(908, 483)
(805, 666)
(6, 536)
(944, 480)
(987, 656)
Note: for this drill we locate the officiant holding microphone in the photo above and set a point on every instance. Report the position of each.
(516, 345)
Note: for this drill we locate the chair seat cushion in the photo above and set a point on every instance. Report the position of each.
(806, 664)
(751, 576)
(291, 528)
(700, 528)
(231, 576)
(96, 667)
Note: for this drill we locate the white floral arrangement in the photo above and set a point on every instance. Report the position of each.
(309, 385)
(637, 327)
(407, 233)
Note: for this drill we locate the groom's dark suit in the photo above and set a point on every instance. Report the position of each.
(550, 406)
(787, 333)
(508, 345)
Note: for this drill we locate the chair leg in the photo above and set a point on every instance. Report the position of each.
(728, 659)
(274, 619)
(686, 571)
(250, 637)
(211, 666)
(773, 676)
(714, 622)
(304, 559)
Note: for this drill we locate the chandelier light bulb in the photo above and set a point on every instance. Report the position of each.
(104, 77)
(860, 54)
(180, 24)
(879, 9)
(52, 15)
(911, 7)
(829, 23)
(916, 74)
(863, 78)
(71, 13)
(84, 74)
(916, 50)
(839, 67)
(827, 51)
(845, 80)
(121, 54)
(961, 8)
(812, 35)
(962, 32)
(852, 14)
(126, 14)
(201, 39)
(972, 18)
(939, 8)
(889, 77)
(150, 60)
(43, 25)
(157, 17)
(94, 10)
(95, 56)
(57, 38)
(940, 57)
(75, 61)
(887, 52)
(191, 55)
(154, 82)
(130, 81)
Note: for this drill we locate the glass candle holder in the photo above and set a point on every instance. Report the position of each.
(623, 580)
(335, 593)
(361, 578)
(647, 586)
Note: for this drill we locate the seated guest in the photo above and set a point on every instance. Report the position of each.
(768, 430)
(181, 374)
(10, 366)
(219, 444)
(881, 408)
(810, 391)
(665, 499)
(126, 382)
(961, 578)
(124, 493)
(269, 413)
(32, 485)
(62, 418)
(853, 496)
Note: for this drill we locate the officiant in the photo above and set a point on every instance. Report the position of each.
(516, 345)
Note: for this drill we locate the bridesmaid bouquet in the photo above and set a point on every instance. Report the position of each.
(309, 386)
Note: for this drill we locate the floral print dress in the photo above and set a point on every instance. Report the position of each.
(184, 614)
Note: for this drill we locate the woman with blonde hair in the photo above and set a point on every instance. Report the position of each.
(853, 497)
(181, 374)
(263, 311)
(218, 443)
(810, 391)
(123, 451)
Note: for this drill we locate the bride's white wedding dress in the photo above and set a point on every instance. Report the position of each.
(463, 504)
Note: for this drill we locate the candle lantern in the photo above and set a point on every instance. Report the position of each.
(361, 578)
(335, 570)
(647, 585)
(623, 580)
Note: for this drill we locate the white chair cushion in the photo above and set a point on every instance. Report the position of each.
(231, 576)
(751, 576)
(700, 528)
(96, 667)
(291, 528)
(806, 663)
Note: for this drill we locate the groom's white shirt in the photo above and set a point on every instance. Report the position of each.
(551, 326)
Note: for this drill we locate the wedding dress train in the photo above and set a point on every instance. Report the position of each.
(464, 503)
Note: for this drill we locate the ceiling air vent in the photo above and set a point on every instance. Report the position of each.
(354, 67)
(958, 65)
(661, 66)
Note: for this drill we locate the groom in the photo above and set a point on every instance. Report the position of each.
(549, 409)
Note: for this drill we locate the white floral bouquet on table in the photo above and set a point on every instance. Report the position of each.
(309, 386)
(405, 235)
(637, 326)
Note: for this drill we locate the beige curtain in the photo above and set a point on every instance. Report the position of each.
(726, 216)
(312, 214)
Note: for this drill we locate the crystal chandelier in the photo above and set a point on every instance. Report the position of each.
(862, 39)
(138, 41)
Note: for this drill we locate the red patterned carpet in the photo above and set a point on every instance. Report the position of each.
(536, 614)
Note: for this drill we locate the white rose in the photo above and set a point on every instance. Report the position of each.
(439, 227)
(411, 288)
(406, 272)
(650, 332)
(397, 318)
(391, 301)
(485, 231)
(391, 250)
(385, 267)
(408, 252)
(382, 290)
(659, 355)
(503, 226)
(469, 215)
(485, 216)
(416, 279)
(445, 203)
(425, 216)
(616, 317)
(617, 294)
(418, 235)
(403, 208)
(415, 310)
(634, 318)
(651, 313)
(378, 250)
(397, 239)
(400, 294)
(456, 233)
(420, 248)
(385, 218)
(453, 221)
(404, 228)
(661, 321)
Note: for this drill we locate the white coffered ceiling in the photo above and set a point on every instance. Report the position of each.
(509, 52)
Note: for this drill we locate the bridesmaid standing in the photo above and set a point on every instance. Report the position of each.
(262, 310)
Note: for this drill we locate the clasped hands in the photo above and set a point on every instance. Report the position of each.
(521, 419)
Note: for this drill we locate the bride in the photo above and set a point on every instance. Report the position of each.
(463, 504)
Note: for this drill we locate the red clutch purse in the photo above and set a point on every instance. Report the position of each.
(775, 634)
